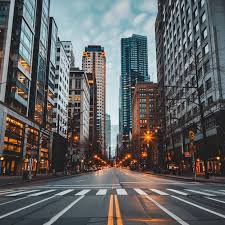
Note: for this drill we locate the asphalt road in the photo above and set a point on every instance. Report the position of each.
(114, 197)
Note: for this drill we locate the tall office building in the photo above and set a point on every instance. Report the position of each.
(190, 55)
(61, 91)
(24, 141)
(68, 46)
(134, 68)
(78, 110)
(50, 71)
(94, 61)
(108, 135)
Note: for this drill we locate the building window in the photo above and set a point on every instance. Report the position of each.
(203, 18)
(206, 49)
(204, 34)
(206, 67)
(208, 84)
(210, 100)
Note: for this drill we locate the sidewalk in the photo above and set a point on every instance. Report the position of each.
(14, 180)
(212, 179)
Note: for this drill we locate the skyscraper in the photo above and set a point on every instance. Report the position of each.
(190, 58)
(134, 68)
(25, 141)
(94, 61)
(108, 135)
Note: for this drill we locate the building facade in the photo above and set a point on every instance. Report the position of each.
(190, 55)
(134, 68)
(68, 46)
(93, 113)
(79, 108)
(25, 144)
(145, 119)
(108, 136)
(94, 61)
(61, 97)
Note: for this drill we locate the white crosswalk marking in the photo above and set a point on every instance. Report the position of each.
(178, 192)
(140, 192)
(200, 192)
(215, 192)
(42, 193)
(222, 190)
(21, 193)
(64, 192)
(83, 192)
(158, 192)
(10, 192)
(102, 192)
(216, 200)
(121, 191)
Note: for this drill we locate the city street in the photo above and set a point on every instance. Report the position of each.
(113, 197)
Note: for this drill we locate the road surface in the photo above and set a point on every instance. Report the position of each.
(113, 197)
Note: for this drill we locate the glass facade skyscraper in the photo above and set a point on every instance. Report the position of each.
(134, 68)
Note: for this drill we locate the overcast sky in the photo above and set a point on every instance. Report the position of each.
(105, 22)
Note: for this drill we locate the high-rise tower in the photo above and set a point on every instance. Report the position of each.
(134, 68)
(94, 61)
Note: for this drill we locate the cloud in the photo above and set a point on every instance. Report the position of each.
(119, 11)
(139, 18)
(105, 22)
(149, 6)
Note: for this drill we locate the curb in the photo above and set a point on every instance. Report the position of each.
(21, 182)
(186, 179)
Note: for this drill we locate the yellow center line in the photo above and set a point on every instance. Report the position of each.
(110, 213)
(118, 213)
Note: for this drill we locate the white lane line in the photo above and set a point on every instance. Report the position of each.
(83, 192)
(64, 192)
(121, 191)
(21, 193)
(216, 200)
(140, 192)
(172, 215)
(200, 207)
(25, 207)
(41, 193)
(200, 192)
(15, 200)
(158, 192)
(102, 192)
(216, 192)
(58, 215)
(178, 192)
(10, 192)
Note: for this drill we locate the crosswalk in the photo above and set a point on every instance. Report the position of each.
(116, 191)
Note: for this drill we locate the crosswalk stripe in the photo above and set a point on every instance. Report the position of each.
(42, 193)
(121, 191)
(64, 192)
(200, 192)
(139, 191)
(216, 200)
(102, 192)
(158, 192)
(10, 192)
(216, 192)
(178, 192)
(83, 192)
(222, 190)
(21, 193)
